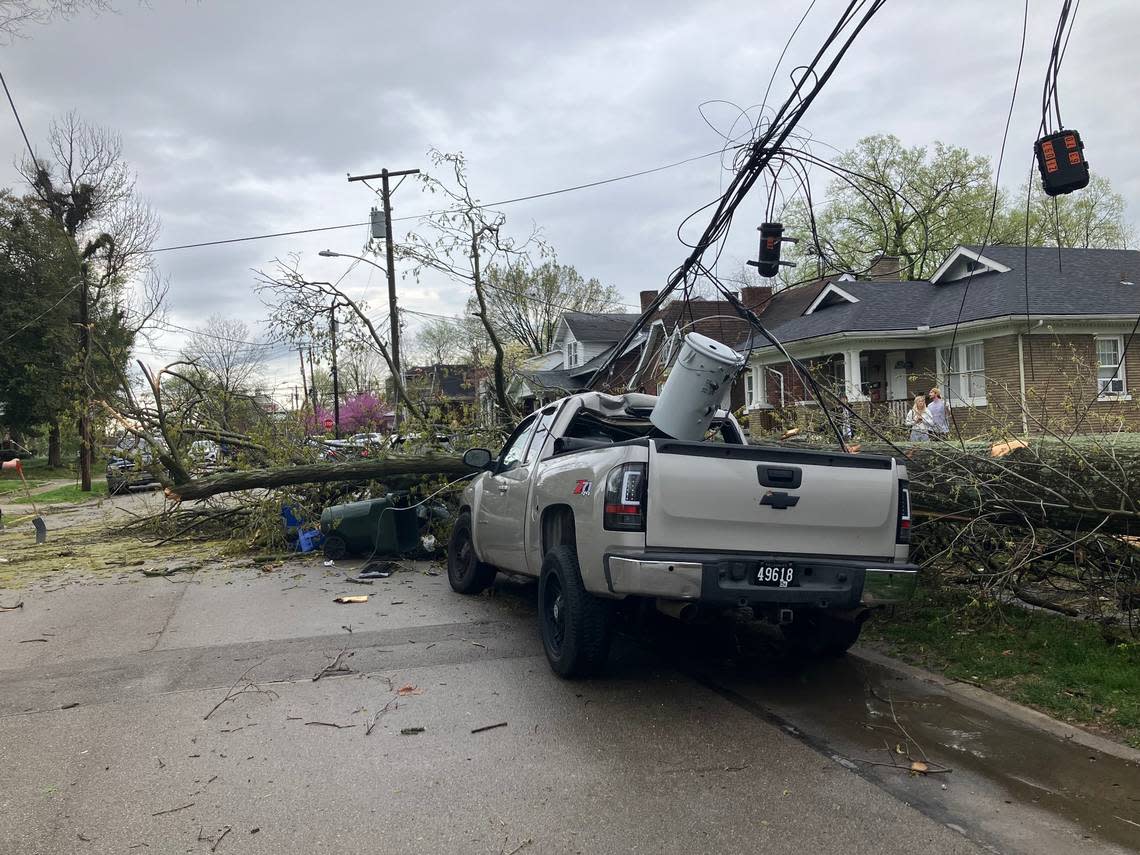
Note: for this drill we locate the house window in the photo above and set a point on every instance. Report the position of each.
(962, 370)
(571, 354)
(1109, 366)
(750, 389)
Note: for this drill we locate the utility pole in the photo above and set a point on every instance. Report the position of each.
(304, 382)
(335, 381)
(85, 414)
(386, 196)
(313, 380)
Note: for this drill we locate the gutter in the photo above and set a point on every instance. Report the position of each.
(922, 338)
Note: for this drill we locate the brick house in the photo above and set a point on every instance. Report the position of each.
(584, 341)
(1025, 348)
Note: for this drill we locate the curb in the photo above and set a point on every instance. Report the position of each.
(994, 703)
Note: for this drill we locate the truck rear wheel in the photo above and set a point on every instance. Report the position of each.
(576, 626)
(817, 634)
(466, 573)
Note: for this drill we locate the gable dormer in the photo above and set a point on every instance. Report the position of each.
(963, 262)
(832, 295)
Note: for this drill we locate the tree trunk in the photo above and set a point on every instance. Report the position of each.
(318, 473)
(55, 446)
(500, 374)
(1067, 487)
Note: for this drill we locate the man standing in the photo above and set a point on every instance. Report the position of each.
(939, 413)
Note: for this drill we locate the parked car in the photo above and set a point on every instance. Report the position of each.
(588, 496)
(367, 439)
(205, 452)
(131, 465)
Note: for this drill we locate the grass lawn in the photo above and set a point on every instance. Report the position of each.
(36, 467)
(70, 493)
(1062, 667)
(14, 485)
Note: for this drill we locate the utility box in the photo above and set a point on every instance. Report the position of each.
(700, 377)
(378, 231)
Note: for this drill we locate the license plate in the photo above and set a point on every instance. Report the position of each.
(775, 575)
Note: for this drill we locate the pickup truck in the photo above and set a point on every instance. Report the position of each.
(590, 498)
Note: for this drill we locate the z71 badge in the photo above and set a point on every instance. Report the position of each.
(582, 488)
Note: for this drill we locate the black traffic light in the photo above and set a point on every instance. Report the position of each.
(771, 236)
(1061, 159)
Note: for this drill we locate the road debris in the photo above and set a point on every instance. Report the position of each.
(378, 570)
(391, 705)
(409, 689)
(330, 724)
(346, 600)
(489, 727)
(69, 706)
(216, 838)
(356, 581)
(18, 605)
(330, 563)
(336, 666)
(411, 731)
(30, 640)
(242, 685)
(174, 809)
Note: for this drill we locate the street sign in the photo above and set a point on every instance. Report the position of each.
(328, 424)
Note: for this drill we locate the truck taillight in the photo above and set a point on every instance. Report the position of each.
(902, 533)
(625, 498)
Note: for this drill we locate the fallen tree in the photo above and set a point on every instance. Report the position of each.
(1063, 486)
(365, 469)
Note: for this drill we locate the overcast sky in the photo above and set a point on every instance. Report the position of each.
(243, 118)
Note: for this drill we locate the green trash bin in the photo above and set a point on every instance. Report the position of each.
(370, 527)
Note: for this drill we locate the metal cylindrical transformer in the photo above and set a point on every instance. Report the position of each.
(702, 374)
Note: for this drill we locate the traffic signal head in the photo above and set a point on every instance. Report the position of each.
(1061, 159)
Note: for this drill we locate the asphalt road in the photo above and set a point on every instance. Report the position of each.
(116, 735)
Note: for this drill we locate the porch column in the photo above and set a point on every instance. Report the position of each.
(853, 376)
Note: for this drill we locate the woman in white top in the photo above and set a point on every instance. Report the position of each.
(919, 420)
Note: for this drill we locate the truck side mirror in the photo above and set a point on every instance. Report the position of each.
(477, 458)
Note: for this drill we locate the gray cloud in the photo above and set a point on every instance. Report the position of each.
(244, 118)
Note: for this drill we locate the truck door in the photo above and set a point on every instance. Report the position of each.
(502, 505)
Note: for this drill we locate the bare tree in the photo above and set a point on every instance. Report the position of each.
(226, 363)
(463, 241)
(442, 340)
(361, 370)
(18, 15)
(527, 303)
(85, 187)
(299, 311)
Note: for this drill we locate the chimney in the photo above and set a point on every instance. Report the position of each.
(756, 297)
(888, 267)
(647, 297)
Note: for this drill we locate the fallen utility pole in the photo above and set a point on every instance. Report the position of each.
(318, 473)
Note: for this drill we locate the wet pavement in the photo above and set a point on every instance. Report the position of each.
(1009, 786)
(694, 740)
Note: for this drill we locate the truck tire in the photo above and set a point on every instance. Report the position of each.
(575, 625)
(466, 573)
(818, 635)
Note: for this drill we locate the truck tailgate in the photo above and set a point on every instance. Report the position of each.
(770, 500)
